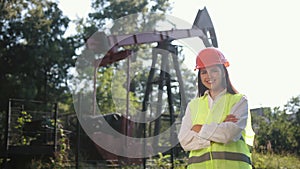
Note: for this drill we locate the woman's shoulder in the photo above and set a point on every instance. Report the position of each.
(238, 96)
(194, 100)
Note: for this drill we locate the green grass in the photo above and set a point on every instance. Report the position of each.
(275, 161)
(260, 161)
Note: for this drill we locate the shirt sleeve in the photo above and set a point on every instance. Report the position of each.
(226, 132)
(190, 140)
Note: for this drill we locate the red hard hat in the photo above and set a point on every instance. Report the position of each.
(210, 56)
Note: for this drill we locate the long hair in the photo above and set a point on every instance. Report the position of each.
(226, 83)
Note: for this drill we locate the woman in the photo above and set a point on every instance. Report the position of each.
(216, 124)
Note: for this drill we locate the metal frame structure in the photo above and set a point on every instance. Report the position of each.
(38, 124)
(202, 28)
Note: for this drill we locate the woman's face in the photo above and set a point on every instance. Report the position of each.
(212, 77)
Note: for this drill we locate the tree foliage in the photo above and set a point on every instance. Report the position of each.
(34, 54)
(278, 130)
(106, 11)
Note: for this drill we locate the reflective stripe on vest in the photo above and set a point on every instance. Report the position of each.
(220, 156)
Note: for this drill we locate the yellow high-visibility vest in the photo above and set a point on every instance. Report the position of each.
(234, 155)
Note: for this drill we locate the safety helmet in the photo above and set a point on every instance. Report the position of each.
(210, 56)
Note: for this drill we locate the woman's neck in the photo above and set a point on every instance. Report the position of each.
(214, 93)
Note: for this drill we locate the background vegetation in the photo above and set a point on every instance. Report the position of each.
(36, 58)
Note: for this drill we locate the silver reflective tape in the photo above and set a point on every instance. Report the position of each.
(220, 156)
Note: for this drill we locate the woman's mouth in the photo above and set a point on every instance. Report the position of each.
(210, 81)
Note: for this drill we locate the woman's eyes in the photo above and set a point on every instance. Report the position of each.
(203, 72)
(211, 71)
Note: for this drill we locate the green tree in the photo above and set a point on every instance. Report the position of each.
(34, 54)
(292, 108)
(278, 130)
(109, 10)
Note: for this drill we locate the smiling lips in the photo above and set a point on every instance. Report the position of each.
(210, 81)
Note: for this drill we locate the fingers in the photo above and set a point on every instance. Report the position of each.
(196, 128)
(231, 118)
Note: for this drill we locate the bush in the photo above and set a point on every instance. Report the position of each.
(275, 161)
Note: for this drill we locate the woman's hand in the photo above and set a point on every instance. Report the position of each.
(196, 128)
(231, 118)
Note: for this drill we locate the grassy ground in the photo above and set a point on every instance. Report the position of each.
(260, 161)
(275, 161)
(270, 161)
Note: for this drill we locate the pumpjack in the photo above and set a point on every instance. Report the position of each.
(113, 48)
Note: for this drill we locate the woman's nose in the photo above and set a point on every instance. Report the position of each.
(209, 74)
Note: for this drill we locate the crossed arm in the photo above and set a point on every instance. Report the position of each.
(193, 137)
(229, 118)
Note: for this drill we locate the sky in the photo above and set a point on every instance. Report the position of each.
(258, 38)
